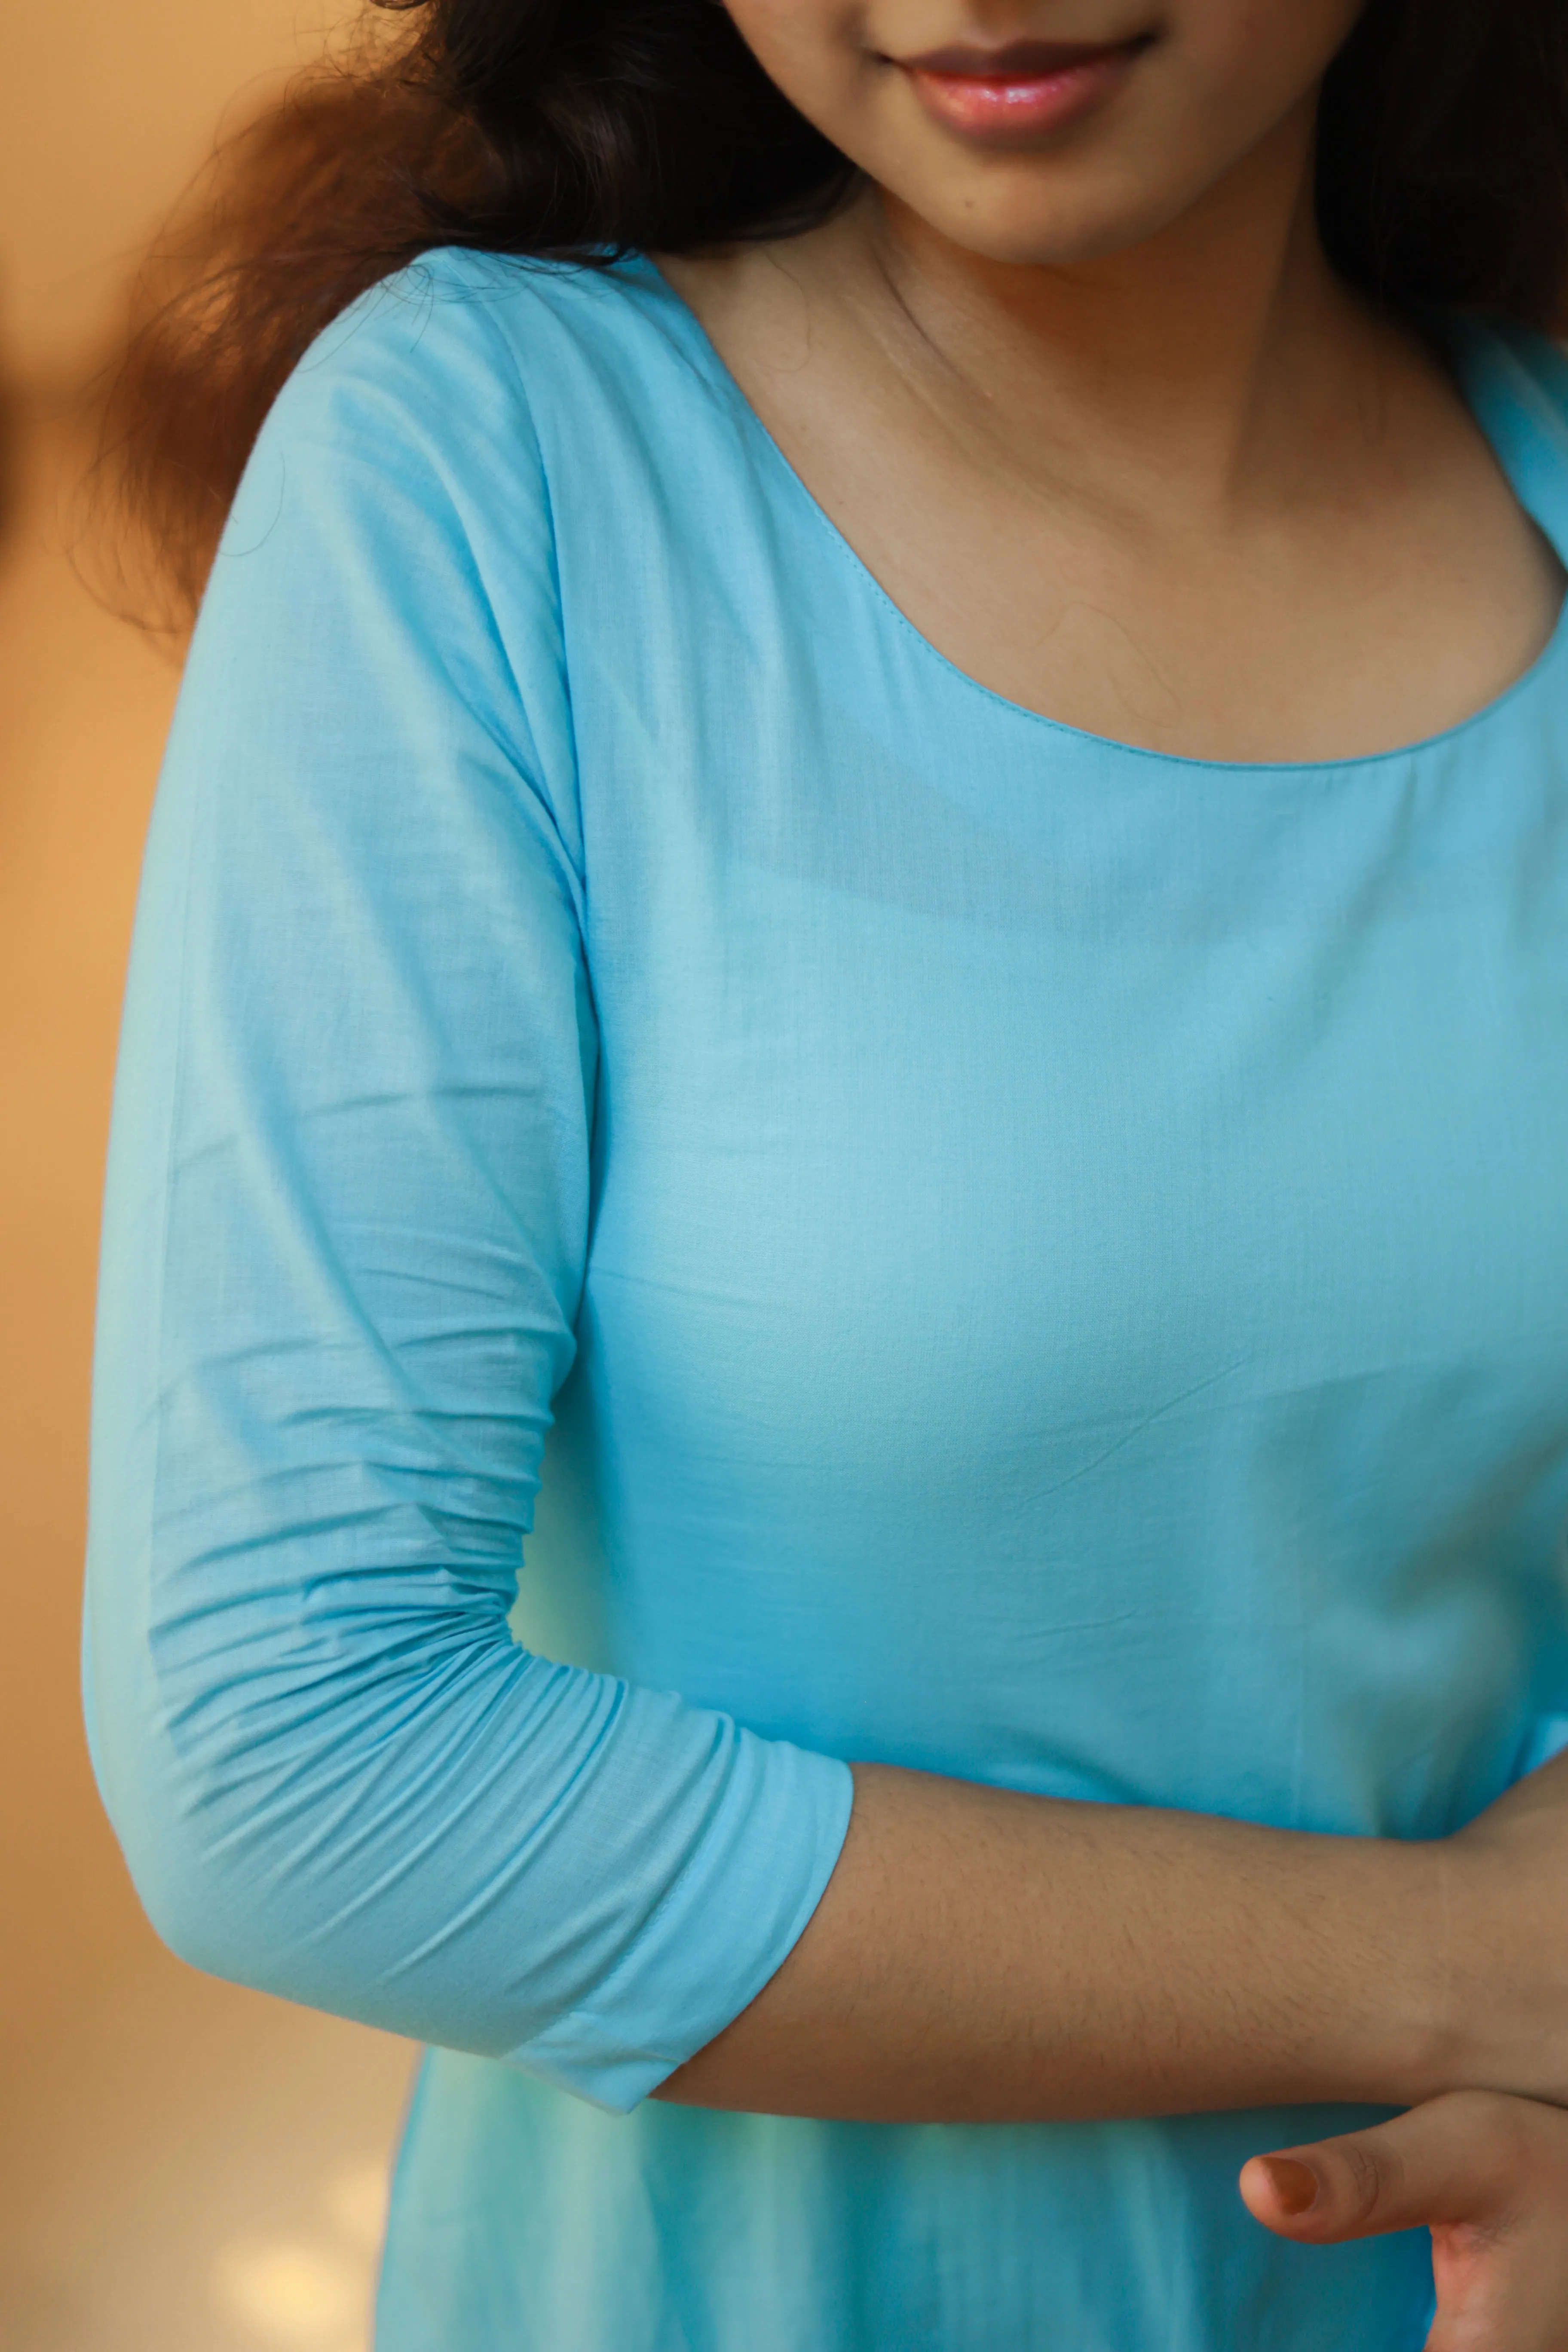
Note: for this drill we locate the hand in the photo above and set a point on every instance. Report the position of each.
(1486, 2173)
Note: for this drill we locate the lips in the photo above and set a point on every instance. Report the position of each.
(1021, 90)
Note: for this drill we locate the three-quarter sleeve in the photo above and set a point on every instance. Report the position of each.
(345, 1242)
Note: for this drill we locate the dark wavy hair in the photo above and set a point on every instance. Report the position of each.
(576, 129)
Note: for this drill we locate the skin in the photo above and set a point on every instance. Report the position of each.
(1099, 417)
(1489, 2177)
(1096, 412)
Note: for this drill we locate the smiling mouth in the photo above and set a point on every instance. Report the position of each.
(1018, 93)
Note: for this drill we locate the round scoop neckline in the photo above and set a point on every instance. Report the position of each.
(1532, 675)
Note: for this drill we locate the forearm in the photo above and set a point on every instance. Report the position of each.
(984, 1956)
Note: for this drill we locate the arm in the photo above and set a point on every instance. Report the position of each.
(346, 1228)
(984, 1955)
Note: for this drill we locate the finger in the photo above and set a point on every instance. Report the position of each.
(1457, 2159)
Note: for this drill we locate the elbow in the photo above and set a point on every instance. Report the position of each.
(202, 1910)
(220, 1861)
(324, 1812)
(203, 1895)
(236, 1796)
(173, 1779)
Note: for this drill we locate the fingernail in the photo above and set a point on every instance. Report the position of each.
(1295, 2185)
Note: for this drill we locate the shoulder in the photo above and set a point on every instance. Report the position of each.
(1515, 376)
(504, 405)
(498, 477)
(1515, 380)
(471, 397)
(396, 540)
(461, 348)
(1537, 362)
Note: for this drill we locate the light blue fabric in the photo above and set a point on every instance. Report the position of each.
(1048, 1263)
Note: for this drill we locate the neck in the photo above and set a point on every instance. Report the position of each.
(1189, 353)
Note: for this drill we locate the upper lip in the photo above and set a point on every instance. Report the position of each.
(1017, 60)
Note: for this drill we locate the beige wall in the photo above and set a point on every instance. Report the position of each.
(105, 111)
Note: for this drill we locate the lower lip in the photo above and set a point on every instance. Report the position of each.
(1020, 107)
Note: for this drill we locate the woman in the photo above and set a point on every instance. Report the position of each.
(857, 912)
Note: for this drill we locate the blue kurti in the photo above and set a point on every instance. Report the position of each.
(696, 1195)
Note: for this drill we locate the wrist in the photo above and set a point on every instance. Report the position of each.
(1505, 1972)
(1430, 2028)
(1457, 2022)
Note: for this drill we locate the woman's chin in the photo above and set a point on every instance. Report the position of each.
(1057, 227)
